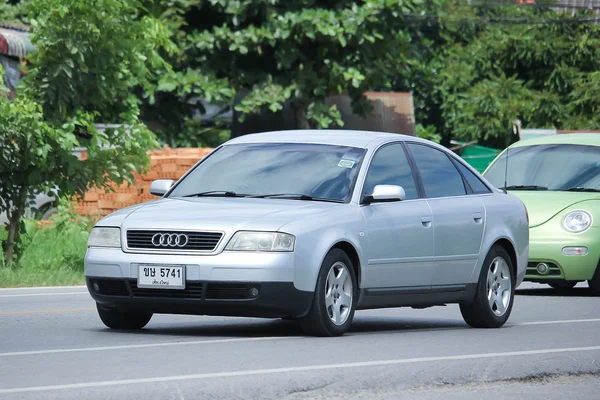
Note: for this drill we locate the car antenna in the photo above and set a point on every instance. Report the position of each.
(506, 172)
(516, 131)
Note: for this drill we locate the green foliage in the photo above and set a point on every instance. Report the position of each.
(91, 54)
(94, 58)
(274, 52)
(52, 255)
(539, 73)
(428, 133)
(15, 12)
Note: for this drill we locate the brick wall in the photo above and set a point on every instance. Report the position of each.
(164, 164)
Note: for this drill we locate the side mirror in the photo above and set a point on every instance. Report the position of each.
(386, 193)
(161, 186)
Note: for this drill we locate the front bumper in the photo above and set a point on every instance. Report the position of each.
(274, 299)
(546, 245)
(215, 285)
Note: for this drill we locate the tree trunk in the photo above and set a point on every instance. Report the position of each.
(301, 119)
(13, 226)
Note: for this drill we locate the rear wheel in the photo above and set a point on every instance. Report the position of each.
(115, 319)
(594, 283)
(562, 285)
(335, 297)
(495, 292)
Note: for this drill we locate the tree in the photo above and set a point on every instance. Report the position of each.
(543, 73)
(475, 67)
(299, 51)
(94, 58)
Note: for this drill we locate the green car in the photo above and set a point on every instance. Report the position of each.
(558, 179)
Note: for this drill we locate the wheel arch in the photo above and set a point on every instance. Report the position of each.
(507, 245)
(350, 250)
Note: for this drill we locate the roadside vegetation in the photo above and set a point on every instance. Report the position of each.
(52, 252)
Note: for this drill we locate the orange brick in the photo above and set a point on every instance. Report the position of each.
(106, 204)
(91, 196)
(168, 168)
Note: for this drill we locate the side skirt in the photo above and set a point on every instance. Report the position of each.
(415, 296)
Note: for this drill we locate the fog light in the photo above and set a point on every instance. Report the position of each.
(542, 268)
(575, 251)
(96, 287)
(254, 292)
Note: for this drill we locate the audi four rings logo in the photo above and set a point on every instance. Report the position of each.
(170, 240)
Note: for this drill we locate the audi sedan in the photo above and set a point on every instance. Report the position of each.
(312, 226)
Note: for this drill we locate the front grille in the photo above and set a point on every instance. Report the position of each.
(193, 290)
(197, 241)
(228, 291)
(553, 270)
(109, 287)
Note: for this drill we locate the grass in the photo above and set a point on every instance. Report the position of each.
(52, 256)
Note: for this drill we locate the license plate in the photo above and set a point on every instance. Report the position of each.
(161, 277)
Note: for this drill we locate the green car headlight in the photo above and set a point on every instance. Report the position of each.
(577, 221)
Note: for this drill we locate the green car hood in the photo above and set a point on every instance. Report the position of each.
(543, 205)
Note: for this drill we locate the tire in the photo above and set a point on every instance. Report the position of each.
(47, 213)
(594, 283)
(335, 297)
(486, 311)
(115, 319)
(562, 285)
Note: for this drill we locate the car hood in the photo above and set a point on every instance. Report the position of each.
(223, 214)
(544, 205)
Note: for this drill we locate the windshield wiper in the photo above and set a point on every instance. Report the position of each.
(295, 196)
(580, 189)
(216, 193)
(525, 187)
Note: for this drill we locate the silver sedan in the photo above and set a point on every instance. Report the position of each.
(312, 226)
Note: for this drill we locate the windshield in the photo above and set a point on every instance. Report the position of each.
(548, 167)
(263, 169)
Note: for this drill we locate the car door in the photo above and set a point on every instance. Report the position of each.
(400, 235)
(458, 217)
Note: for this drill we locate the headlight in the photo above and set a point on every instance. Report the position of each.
(261, 241)
(577, 221)
(105, 237)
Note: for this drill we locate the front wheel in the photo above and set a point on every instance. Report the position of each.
(335, 297)
(495, 292)
(594, 283)
(115, 319)
(562, 285)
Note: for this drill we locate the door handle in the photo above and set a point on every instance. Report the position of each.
(426, 221)
(478, 217)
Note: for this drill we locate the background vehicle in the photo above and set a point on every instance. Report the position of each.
(313, 225)
(558, 179)
(45, 205)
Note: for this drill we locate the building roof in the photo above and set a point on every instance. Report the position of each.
(14, 42)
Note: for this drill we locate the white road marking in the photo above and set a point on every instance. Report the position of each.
(565, 321)
(44, 294)
(272, 371)
(146, 345)
(42, 288)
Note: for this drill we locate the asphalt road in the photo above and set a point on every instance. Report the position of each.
(53, 346)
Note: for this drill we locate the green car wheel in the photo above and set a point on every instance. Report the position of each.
(594, 283)
(562, 285)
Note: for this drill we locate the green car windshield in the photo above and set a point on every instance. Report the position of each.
(554, 167)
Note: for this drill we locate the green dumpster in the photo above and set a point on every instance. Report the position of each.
(479, 157)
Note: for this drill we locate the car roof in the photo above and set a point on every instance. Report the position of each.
(589, 139)
(352, 138)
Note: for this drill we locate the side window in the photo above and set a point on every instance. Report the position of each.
(475, 183)
(390, 166)
(439, 175)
